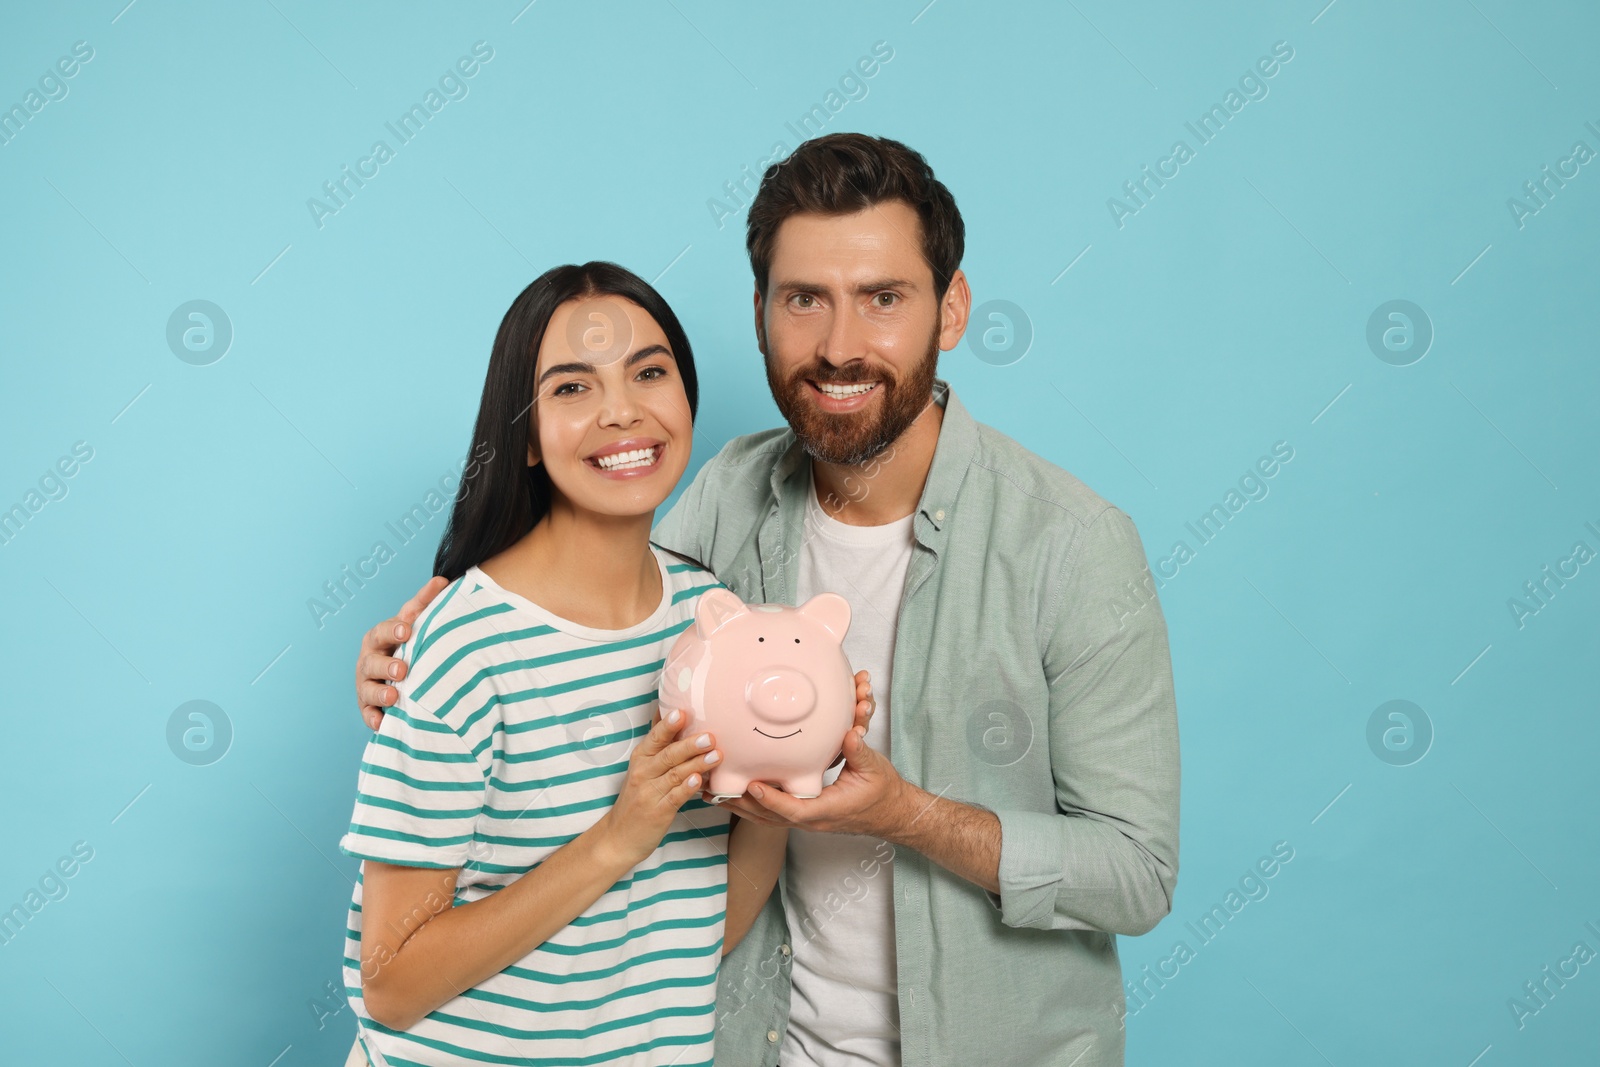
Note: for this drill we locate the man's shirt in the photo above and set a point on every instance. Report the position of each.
(1031, 677)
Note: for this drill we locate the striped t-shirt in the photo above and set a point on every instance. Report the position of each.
(510, 738)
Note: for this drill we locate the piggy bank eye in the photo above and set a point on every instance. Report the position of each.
(797, 640)
(761, 639)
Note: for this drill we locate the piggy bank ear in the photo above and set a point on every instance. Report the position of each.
(715, 609)
(831, 610)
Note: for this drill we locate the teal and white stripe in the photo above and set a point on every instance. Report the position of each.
(511, 737)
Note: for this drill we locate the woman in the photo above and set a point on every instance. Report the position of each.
(541, 880)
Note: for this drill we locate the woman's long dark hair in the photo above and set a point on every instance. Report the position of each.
(501, 498)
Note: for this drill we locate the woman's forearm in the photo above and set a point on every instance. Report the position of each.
(755, 858)
(421, 962)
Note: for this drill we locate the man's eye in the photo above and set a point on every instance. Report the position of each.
(804, 300)
(886, 299)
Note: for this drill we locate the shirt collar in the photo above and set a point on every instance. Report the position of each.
(958, 442)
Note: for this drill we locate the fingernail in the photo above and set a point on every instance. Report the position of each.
(756, 791)
(712, 757)
(400, 632)
(694, 780)
(703, 741)
(672, 718)
(394, 670)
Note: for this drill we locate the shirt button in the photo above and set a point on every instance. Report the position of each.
(785, 949)
(772, 1036)
(939, 514)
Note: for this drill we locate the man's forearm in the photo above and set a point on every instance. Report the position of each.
(961, 838)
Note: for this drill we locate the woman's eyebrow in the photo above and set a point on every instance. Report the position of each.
(588, 368)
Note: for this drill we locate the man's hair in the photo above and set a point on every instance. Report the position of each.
(842, 173)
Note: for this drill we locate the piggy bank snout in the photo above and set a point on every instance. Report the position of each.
(781, 695)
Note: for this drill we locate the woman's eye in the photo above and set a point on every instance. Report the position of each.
(561, 390)
(654, 373)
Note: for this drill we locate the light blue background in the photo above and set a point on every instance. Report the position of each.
(1228, 314)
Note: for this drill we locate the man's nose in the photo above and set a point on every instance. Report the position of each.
(846, 339)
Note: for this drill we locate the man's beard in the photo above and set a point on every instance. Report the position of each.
(853, 438)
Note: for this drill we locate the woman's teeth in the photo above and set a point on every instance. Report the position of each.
(618, 461)
(839, 392)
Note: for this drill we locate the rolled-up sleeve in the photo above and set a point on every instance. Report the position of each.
(1107, 859)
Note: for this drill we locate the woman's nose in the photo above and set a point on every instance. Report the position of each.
(620, 408)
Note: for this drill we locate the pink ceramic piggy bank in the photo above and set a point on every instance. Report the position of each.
(771, 682)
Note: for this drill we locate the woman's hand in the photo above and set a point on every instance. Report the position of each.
(663, 774)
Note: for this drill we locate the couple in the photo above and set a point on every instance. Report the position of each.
(543, 880)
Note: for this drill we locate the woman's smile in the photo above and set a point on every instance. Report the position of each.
(633, 457)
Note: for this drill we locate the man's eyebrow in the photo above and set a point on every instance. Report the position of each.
(875, 285)
(588, 368)
(878, 285)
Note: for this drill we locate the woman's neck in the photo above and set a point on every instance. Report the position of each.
(595, 570)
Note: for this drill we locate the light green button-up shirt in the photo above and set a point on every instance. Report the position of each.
(1031, 677)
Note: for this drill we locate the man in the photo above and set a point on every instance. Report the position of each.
(953, 895)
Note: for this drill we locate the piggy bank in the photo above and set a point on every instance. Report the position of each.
(771, 682)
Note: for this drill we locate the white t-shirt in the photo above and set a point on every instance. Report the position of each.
(838, 889)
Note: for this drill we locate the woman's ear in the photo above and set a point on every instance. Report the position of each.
(533, 455)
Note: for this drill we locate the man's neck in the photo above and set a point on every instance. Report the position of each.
(886, 487)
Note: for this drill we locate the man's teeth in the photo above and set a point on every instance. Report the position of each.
(842, 391)
(637, 457)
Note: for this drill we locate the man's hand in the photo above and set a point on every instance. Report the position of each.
(868, 797)
(375, 668)
(866, 704)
